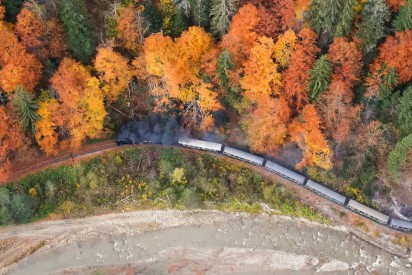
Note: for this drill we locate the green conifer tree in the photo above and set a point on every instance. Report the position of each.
(372, 28)
(78, 28)
(224, 65)
(323, 16)
(200, 10)
(180, 23)
(153, 16)
(319, 78)
(220, 14)
(13, 8)
(405, 112)
(399, 155)
(345, 22)
(26, 109)
(403, 20)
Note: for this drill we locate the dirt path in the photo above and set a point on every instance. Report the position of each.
(187, 241)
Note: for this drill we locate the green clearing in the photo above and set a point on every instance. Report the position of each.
(147, 177)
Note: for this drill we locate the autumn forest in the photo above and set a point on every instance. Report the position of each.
(328, 82)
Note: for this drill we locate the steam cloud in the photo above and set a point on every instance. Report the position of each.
(152, 129)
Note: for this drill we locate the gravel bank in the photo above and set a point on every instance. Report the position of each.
(189, 241)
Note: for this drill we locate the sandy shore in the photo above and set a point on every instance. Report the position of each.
(189, 242)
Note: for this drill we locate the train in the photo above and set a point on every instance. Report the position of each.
(354, 206)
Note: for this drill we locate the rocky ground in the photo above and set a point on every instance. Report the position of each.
(190, 242)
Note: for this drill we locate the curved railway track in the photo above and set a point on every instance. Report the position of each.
(22, 170)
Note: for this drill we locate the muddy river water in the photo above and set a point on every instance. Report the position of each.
(236, 244)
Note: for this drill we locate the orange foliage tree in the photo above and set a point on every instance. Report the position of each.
(176, 66)
(78, 115)
(261, 75)
(396, 54)
(305, 130)
(12, 137)
(17, 67)
(43, 39)
(297, 75)
(395, 4)
(55, 37)
(266, 126)
(278, 16)
(241, 37)
(114, 72)
(131, 27)
(29, 28)
(346, 61)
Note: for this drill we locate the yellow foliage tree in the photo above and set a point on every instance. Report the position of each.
(261, 75)
(167, 9)
(46, 135)
(284, 47)
(114, 72)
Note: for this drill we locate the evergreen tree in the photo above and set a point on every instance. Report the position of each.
(220, 13)
(399, 155)
(78, 28)
(224, 65)
(180, 23)
(13, 8)
(153, 16)
(345, 22)
(319, 78)
(323, 16)
(403, 20)
(387, 98)
(200, 12)
(405, 112)
(26, 109)
(372, 28)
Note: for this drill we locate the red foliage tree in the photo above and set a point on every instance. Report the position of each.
(338, 113)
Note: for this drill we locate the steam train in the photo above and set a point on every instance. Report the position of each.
(299, 179)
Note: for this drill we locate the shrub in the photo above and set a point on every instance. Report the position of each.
(5, 217)
(21, 208)
(190, 199)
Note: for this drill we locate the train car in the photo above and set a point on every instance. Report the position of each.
(244, 156)
(326, 192)
(284, 172)
(401, 225)
(368, 212)
(200, 144)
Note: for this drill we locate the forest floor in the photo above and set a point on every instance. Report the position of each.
(190, 242)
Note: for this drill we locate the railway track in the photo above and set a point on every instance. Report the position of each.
(19, 171)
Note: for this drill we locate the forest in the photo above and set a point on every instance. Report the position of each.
(324, 84)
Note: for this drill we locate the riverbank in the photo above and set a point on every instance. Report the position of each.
(174, 241)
